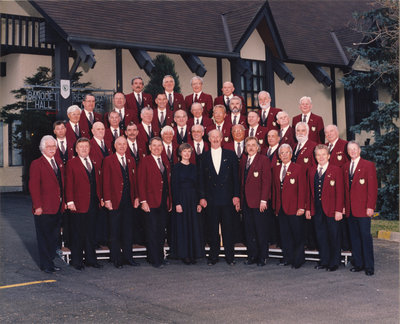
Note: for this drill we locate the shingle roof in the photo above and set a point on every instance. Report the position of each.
(304, 26)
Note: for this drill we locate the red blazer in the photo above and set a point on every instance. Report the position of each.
(289, 138)
(109, 136)
(206, 122)
(142, 135)
(316, 125)
(261, 135)
(174, 154)
(270, 122)
(113, 182)
(132, 104)
(77, 185)
(226, 132)
(95, 151)
(242, 119)
(332, 191)
(293, 194)
(339, 155)
(193, 156)
(274, 159)
(305, 158)
(258, 183)
(220, 101)
(70, 152)
(150, 182)
(84, 124)
(129, 117)
(206, 101)
(179, 102)
(142, 150)
(44, 187)
(364, 188)
(168, 118)
(70, 135)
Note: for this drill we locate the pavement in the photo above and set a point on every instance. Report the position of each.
(180, 293)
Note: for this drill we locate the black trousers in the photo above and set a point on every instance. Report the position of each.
(292, 238)
(215, 215)
(102, 227)
(273, 235)
(47, 234)
(83, 226)
(328, 237)
(121, 232)
(255, 224)
(156, 221)
(361, 242)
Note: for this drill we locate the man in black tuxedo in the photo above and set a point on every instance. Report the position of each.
(219, 189)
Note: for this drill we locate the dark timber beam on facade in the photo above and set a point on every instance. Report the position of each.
(319, 74)
(143, 60)
(195, 64)
(282, 71)
(238, 69)
(85, 53)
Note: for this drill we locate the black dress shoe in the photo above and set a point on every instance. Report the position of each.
(132, 263)
(320, 267)
(165, 262)
(369, 272)
(95, 265)
(284, 264)
(186, 261)
(158, 266)
(118, 266)
(356, 269)
(79, 267)
(55, 268)
(231, 263)
(262, 263)
(48, 270)
(249, 261)
(194, 261)
(333, 268)
(211, 262)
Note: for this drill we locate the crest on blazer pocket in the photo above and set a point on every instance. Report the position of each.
(203, 104)
(362, 181)
(278, 163)
(226, 138)
(172, 124)
(261, 141)
(255, 173)
(305, 160)
(273, 123)
(179, 106)
(332, 182)
(292, 180)
(339, 157)
(313, 128)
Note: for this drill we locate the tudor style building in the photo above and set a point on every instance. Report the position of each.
(289, 48)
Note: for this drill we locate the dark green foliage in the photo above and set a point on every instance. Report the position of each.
(163, 66)
(380, 49)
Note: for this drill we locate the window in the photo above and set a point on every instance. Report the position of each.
(364, 103)
(15, 156)
(252, 86)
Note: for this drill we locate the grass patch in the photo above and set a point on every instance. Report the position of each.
(385, 225)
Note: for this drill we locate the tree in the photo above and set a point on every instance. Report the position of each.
(380, 50)
(31, 125)
(163, 66)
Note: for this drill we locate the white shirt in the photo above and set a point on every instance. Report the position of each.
(251, 158)
(221, 126)
(333, 144)
(158, 157)
(274, 148)
(164, 112)
(237, 118)
(284, 130)
(87, 113)
(166, 147)
(179, 128)
(355, 164)
(201, 145)
(198, 95)
(99, 141)
(324, 167)
(200, 119)
(228, 97)
(73, 125)
(241, 144)
(120, 111)
(120, 160)
(287, 168)
(112, 129)
(216, 156)
(307, 116)
(266, 112)
(255, 129)
(64, 140)
(146, 128)
(84, 162)
(130, 143)
(172, 95)
(49, 160)
(137, 96)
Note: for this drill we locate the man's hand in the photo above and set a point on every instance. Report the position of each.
(38, 211)
(108, 205)
(300, 212)
(136, 203)
(263, 206)
(145, 207)
(179, 209)
(72, 207)
(308, 214)
(370, 212)
(203, 203)
(338, 216)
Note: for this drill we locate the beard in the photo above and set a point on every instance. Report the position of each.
(301, 138)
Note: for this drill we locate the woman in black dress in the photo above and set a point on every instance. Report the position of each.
(187, 241)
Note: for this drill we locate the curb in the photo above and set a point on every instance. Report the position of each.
(389, 236)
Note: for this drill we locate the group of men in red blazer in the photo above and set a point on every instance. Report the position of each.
(277, 167)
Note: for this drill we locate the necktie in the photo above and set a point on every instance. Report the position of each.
(198, 150)
(123, 162)
(160, 165)
(264, 116)
(91, 118)
(227, 100)
(76, 130)
(170, 100)
(320, 172)
(120, 114)
(197, 121)
(283, 173)
(181, 133)
(219, 127)
(162, 117)
(304, 118)
(169, 152)
(115, 133)
(252, 132)
(139, 99)
(297, 149)
(102, 146)
(352, 168)
(248, 164)
(62, 147)
(330, 146)
(196, 98)
(54, 166)
(149, 129)
(88, 166)
(280, 134)
(235, 120)
(269, 152)
(239, 150)
(134, 151)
